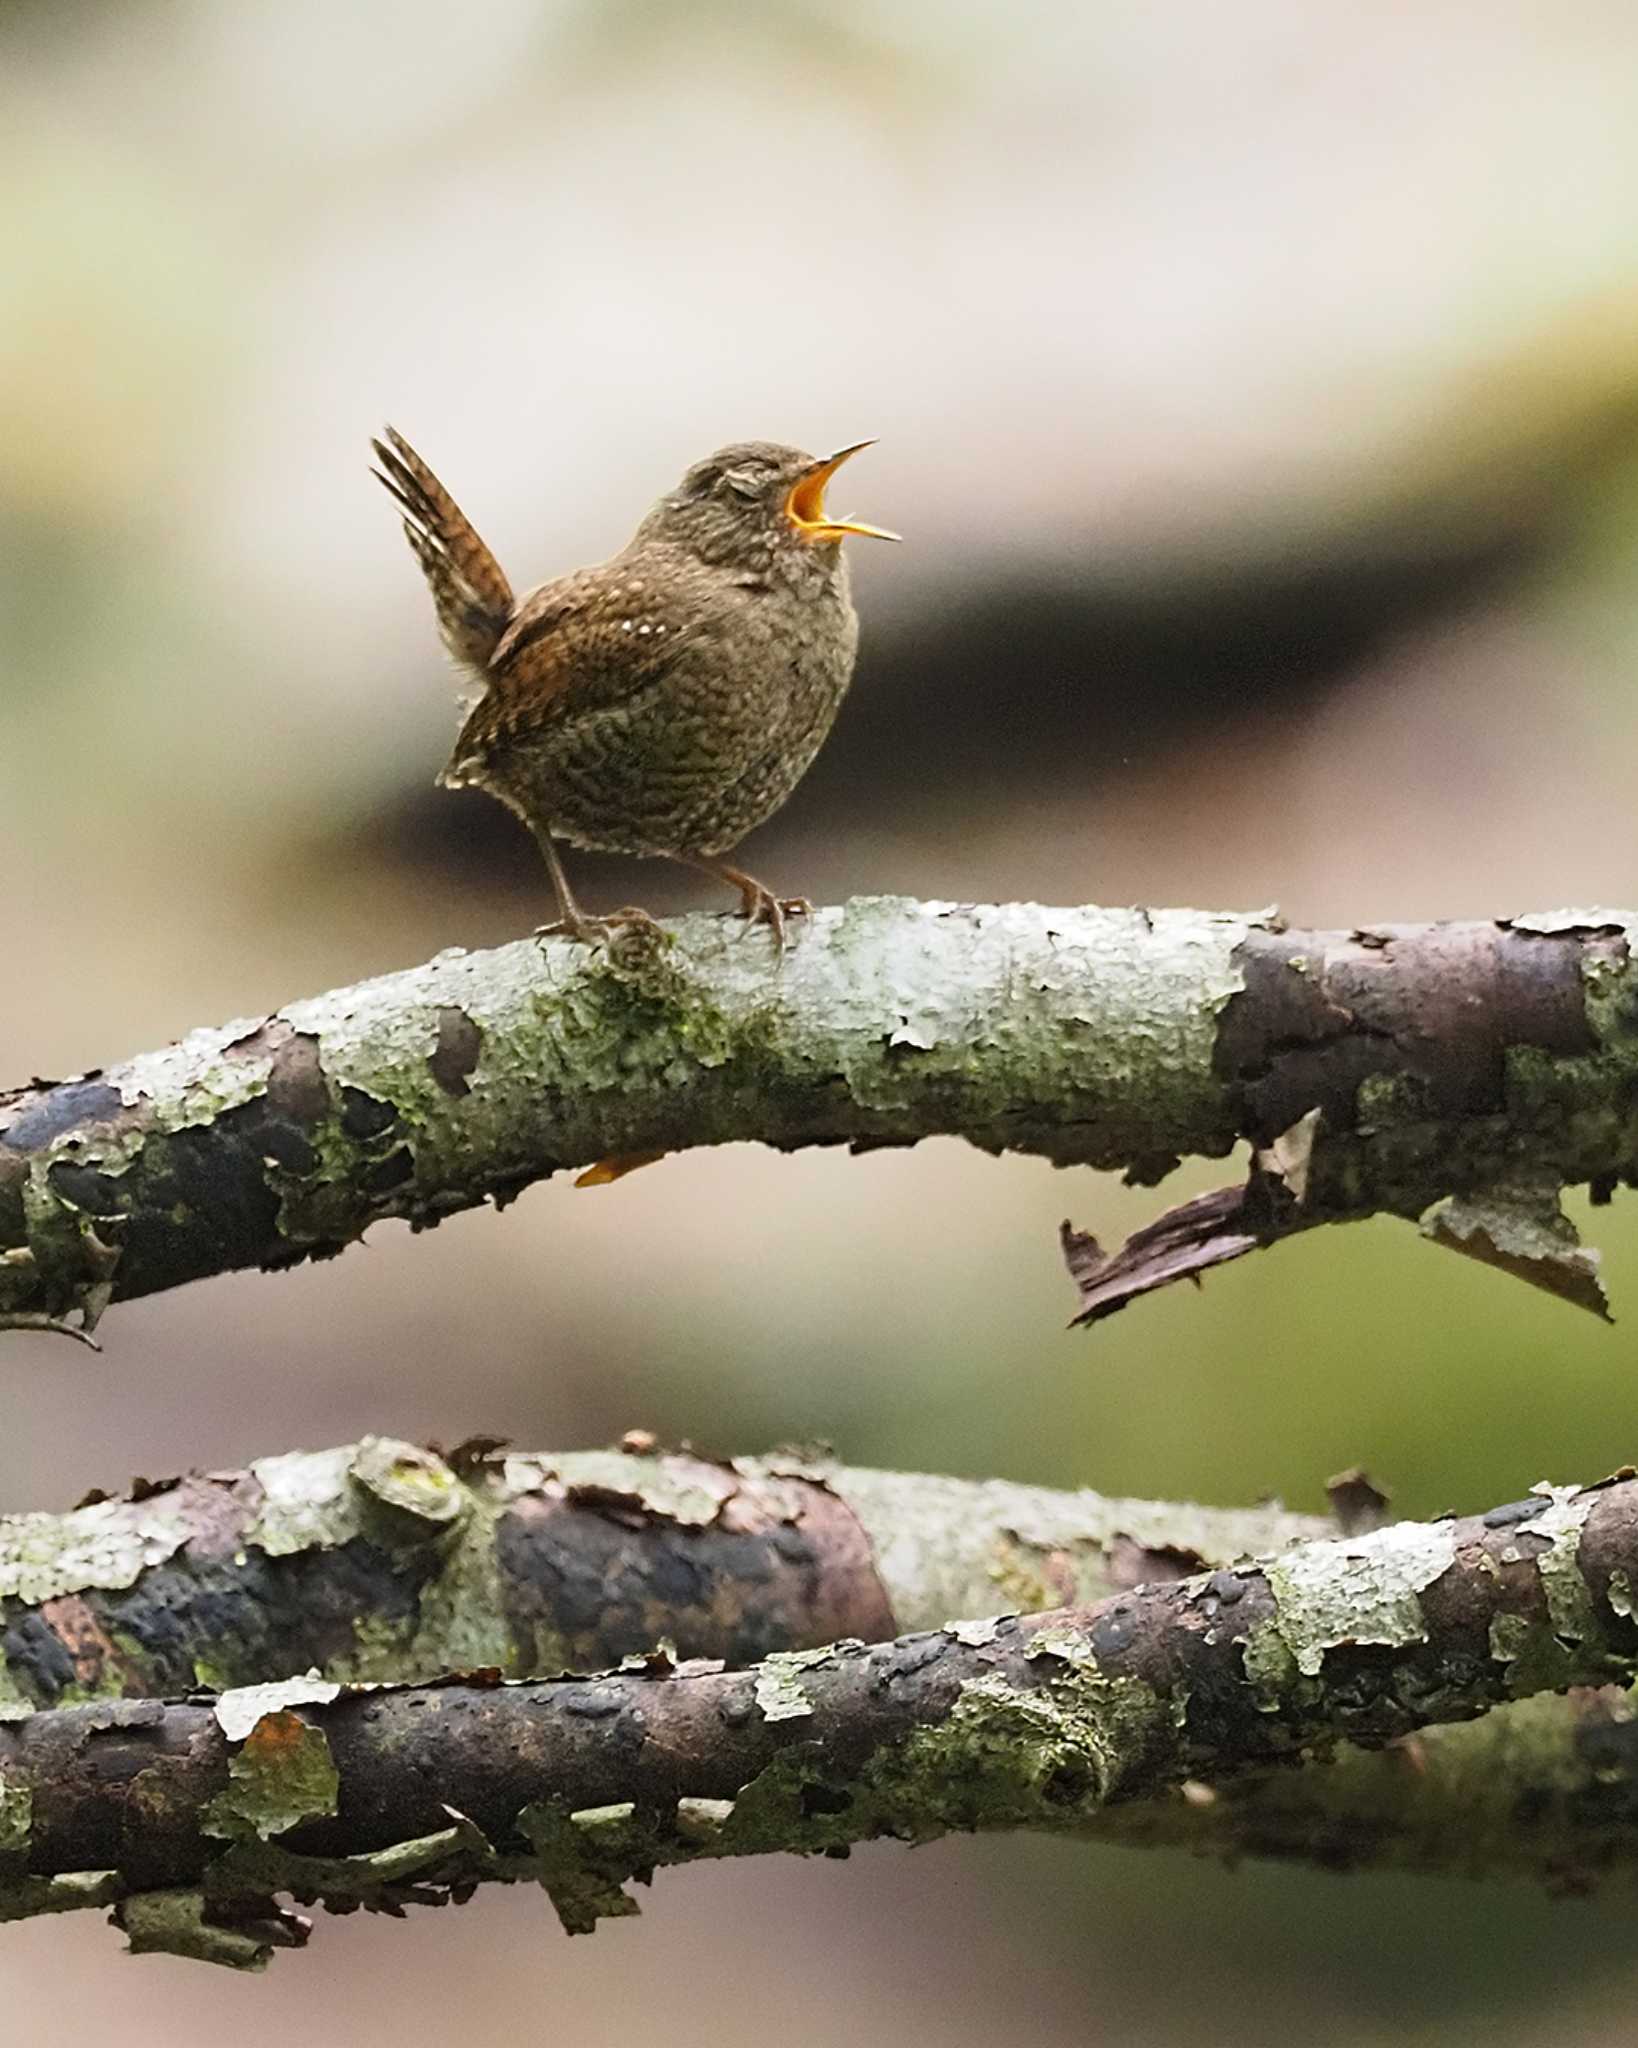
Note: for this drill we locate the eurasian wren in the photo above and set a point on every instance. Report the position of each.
(668, 700)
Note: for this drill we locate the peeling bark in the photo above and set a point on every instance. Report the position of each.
(200, 1813)
(1429, 1061)
(385, 1561)
(1352, 1052)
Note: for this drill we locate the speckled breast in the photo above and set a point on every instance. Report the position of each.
(697, 759)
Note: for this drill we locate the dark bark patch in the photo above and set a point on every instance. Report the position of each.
(1436, 1004)
(908, 1657)
(240, 1616)
(601, 1580)
(1131, 1563)
(1609, 1539)
(820, 1798)
(1357, 1503)
(85, 1189)
(98, 1662)
(365, 1116)
(453, 1058)
(389, 1173)
(71, 1105)
(296, 1088)
(1115, 1631)
(1510, 1512)
(208, 1204)
(37, 1659)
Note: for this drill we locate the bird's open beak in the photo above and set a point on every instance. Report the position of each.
(805, 506)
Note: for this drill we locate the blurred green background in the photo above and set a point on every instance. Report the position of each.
(1258, 389)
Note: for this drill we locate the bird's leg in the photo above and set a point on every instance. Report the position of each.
(757, 902)
(571, 920)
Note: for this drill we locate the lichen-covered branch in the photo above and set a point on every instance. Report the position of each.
(1393, 1068)
(384, 1561)
(387, 1562)
(201, 1813)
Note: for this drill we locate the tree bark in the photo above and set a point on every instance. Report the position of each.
(385, 1561)
(194, 1814)
(1477, 1066)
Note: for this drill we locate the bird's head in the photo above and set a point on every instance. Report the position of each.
(761, 507)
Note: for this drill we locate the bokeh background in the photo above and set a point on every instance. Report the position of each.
(1258, 389)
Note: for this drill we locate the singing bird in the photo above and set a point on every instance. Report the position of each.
(668, 700)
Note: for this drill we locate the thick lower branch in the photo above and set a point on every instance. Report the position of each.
(204, 1810)
(1419, 1061)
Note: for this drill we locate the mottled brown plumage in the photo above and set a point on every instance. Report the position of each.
(668, 700)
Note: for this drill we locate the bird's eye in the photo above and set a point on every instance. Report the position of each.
(744, 483)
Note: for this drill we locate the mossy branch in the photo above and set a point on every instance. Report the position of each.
(1481, 1067)
(198, 1815)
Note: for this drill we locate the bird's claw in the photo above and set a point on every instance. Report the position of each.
(627, 927)
(57, 1326)
(759, 905)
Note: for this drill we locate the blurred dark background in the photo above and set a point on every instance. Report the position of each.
(1258, 391)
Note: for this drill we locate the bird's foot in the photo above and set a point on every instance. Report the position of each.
(631, 927)
(759, 905)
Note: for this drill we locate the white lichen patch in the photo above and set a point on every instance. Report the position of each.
(307, 1501)
(14, 1704)
(1364, 1589)
(1012, 1003)
(377, 1036)
(109, 1544)
(1068, 1644)
(779, 1689)
(238, 1710)
(194, 1080)
(1550, 923)
(974, 1634)
(689, 1492)
(1569, 1601)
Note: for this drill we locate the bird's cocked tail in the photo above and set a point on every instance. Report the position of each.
(468, 585)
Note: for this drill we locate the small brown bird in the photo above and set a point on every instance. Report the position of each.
(668, 700)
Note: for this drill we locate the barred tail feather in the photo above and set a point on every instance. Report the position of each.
(469, 588)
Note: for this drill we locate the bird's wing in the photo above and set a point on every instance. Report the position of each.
(588, 640)
(469, 588)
